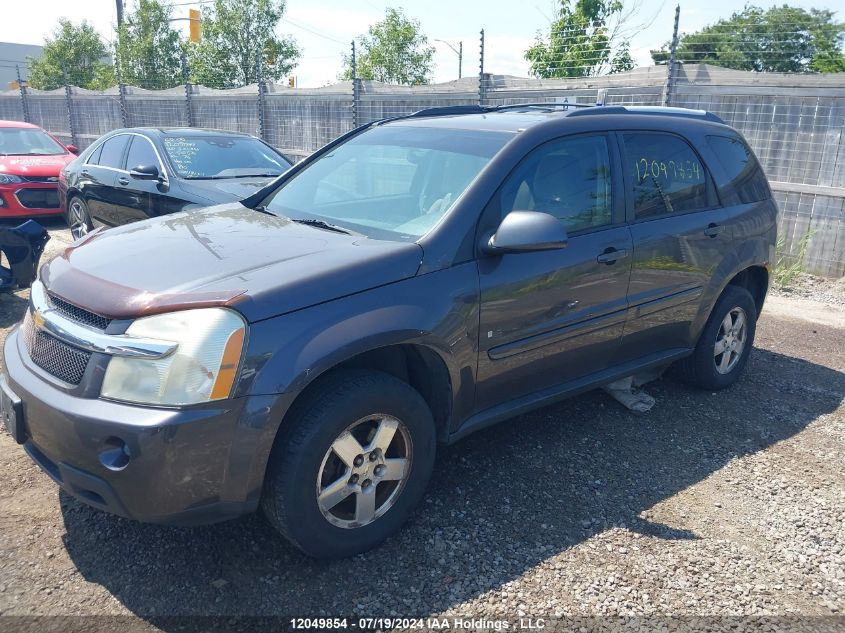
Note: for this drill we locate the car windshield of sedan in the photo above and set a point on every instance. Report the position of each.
(216, 157)
(390, 182)
(19, 141)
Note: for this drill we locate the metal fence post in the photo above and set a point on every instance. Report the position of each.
(356, 88)
(22, 88)
(481, 87)
(186, 78)
(262, 132)
(69, 106)
(121, 94)
(671, 71)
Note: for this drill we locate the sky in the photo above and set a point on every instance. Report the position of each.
(324, 28)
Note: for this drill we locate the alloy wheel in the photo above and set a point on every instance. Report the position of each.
(78, 220)
(364, 471)
(730, 340)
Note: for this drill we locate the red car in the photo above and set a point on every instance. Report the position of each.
(30, 162)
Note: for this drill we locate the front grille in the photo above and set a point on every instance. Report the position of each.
(63, 361)
(80, 315)
(38, 198)
(40, 178)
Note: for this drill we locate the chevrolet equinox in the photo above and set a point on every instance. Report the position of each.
(305, 350)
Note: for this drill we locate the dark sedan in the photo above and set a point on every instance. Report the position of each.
(139, 173)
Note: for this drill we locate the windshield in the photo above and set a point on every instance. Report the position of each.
(20, 141)
(212, 157)
(392, 182)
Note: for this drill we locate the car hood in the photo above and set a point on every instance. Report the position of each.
(262, 265)
(228, 190)
(34, 166)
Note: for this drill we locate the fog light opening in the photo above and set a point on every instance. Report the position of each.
(115, 454)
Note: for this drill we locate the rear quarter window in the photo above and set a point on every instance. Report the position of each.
(745, 176)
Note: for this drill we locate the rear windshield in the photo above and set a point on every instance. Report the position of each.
(217, 157)
(18, 141)
(391, 182)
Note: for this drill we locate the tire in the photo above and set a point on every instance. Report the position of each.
(706, 367)
(314, 450)
(77, 217)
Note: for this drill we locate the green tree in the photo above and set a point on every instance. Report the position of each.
(234, 33)
(394, 51)
(780, 39)
(580, 42)
(148, 48)
(75, 54)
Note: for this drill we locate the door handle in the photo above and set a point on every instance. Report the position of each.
(123, 181)
(611, 255)
(713, 230)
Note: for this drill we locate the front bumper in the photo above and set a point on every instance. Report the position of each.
(28, 199)
(194, 465)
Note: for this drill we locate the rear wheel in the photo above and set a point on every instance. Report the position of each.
(725, 342)
(351, 464)
(78, 218)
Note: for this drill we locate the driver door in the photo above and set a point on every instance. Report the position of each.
(550, 317)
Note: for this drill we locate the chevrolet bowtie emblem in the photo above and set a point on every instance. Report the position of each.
(38, 319)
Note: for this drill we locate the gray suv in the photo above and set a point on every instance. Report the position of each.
(305, 350)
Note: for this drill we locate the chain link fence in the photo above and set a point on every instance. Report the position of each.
(795, 122)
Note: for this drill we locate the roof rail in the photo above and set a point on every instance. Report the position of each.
(549, 105)
(479, 109)
(447, 110)
(653, 110)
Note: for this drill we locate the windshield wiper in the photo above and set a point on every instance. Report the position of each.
(320, 224)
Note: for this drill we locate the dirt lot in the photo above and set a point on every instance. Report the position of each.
(714, 505)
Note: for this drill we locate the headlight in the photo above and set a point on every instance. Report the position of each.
(9, 179)
(203, 367)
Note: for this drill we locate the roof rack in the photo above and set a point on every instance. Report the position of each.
(652, 110)
(579, 109)
(548, 105)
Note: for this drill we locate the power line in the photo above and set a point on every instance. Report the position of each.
(313, 31)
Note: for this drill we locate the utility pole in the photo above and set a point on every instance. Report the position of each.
(119, 4)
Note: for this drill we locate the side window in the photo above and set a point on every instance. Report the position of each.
(112, 152)
(568, 178)
(141, 153)
(94, 158)
(744, 172)
(667, 175)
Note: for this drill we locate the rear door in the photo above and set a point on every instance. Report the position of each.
(553, 316)
(680, 235)
(100, 192)
(98, 175)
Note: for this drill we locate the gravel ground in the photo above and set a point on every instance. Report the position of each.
(821, 289)
(719, 506)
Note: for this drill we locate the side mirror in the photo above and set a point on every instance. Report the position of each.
(73, 149)
(523, 231)
(145, 172)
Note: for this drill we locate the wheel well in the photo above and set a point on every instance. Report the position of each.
(755, 280)
(416, 365)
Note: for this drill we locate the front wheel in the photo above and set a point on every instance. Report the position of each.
(78, 218)
(725, 342)
(351, 462)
